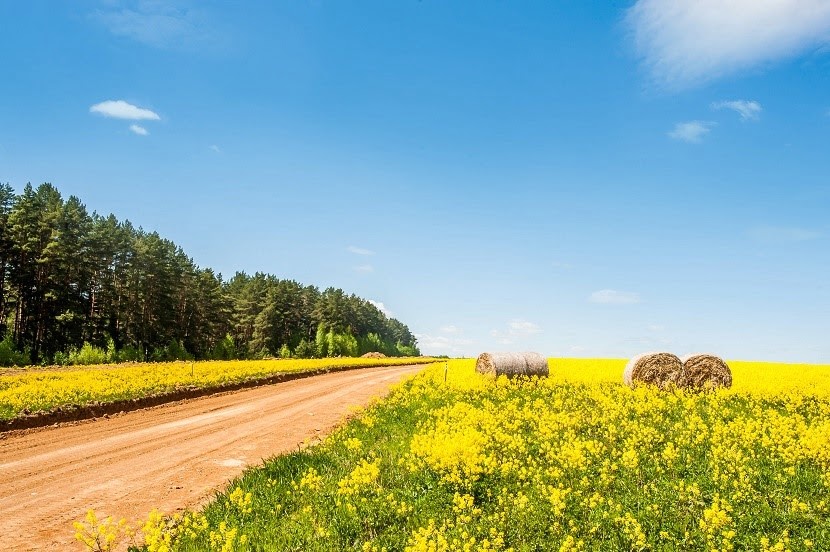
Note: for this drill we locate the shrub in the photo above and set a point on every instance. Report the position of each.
(174, 351)
(10, 356)
(225, 349)
(305, 349)
(129, 354)
(88, 354)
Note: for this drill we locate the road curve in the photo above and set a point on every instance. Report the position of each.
(169, 457)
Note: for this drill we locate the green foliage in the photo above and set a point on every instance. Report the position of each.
(130, 354)
(372, 343)
(10, 356)
(406, 350)
(321, 343)
(225, 349)
(331, 344)
(305, 349)
(87, 354)
(112, 354)
(173, 351)
(285, 351)
(68, 276)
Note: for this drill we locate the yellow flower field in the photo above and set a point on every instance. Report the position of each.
(576, 461)
(41, 390)
(755, 378)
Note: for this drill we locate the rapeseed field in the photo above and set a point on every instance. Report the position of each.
(42, 390)
(452, 460)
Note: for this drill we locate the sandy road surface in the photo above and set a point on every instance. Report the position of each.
(168, 457)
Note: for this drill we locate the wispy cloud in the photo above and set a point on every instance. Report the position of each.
(749, 110)
(691, 131)
(359, 250)
(684, 43)
(366, 268)
(168, 24)
(119, 109)
(782, 234)
(215, 148)
(140, 130)
(502, 337)
(448, 340)
(614, 297)
(381, 307)
(516, 329)
(523, 327)
(441, 344)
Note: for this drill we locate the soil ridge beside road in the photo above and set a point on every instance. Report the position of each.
(75, 413)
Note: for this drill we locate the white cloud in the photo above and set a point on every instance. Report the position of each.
(442, 345)
(165, 24)
(516, 329)
(614, 297)
(692, 131)
(359, 250)
(502, 337)
(119, 109)
(523, 327)
(562, 266)
(656, 328)
(215, 148)
(749, 110)
(140, 130)
(781, 234)
(364, 268)
(688, 42)
(381, 307)
(451, 329)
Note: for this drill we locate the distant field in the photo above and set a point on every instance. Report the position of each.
(576, 461)
(24, 392)
(756, 378)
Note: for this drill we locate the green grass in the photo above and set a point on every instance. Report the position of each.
(551, 465)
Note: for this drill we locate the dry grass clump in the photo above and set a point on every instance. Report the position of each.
(660, 369)
(704, 371)
(373, 355)
(512, 364)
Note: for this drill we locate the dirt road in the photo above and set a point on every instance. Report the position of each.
(168, 457)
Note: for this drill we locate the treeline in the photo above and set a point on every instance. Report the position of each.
(78, 287)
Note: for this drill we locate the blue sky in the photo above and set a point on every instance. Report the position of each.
(577, 178)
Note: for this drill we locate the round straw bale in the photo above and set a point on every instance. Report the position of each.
(373, 354)
(704, 371)
(512, 364)
(660, 369)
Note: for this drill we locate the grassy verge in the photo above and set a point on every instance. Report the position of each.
(572, 462)
(44, 390)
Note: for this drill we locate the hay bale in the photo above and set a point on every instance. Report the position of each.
(703, 371)
(660, 369)
(373, 355)
(512, 364)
